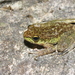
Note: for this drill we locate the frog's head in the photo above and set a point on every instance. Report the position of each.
(38, 34)
(32, 35)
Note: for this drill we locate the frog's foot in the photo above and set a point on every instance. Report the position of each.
(67, 51)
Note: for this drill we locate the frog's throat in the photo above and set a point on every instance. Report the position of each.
(51, 41)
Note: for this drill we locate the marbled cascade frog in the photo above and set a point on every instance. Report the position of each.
(55, 35)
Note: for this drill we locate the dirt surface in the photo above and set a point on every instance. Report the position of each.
(14, 20)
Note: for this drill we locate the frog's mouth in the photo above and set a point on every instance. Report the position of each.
(32, 45)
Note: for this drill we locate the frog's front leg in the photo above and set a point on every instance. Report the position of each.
(49, 49)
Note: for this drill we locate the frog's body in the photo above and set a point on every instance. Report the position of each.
(53, 35)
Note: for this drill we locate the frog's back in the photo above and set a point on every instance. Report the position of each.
(50, 29)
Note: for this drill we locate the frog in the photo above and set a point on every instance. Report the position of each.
(55, 36)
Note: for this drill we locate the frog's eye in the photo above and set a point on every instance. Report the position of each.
(35, 38)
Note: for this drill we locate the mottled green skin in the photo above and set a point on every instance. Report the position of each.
(60, 33)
